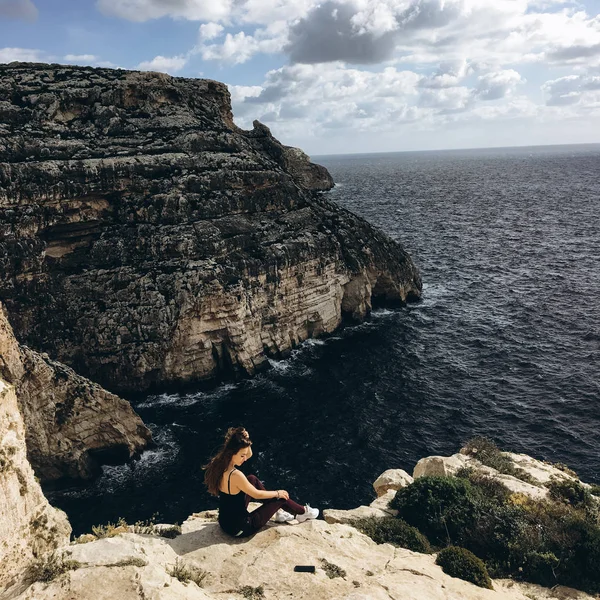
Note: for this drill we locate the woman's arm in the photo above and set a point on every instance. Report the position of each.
(242, 483)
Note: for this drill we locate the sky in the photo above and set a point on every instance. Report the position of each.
(346, 76)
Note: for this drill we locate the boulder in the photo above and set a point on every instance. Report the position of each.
(392, 479)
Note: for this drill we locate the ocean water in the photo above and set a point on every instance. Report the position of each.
(505, 343)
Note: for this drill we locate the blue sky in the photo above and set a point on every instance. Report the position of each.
(340, 76)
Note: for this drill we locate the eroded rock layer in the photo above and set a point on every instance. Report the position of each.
(145, 239)
(72, 425)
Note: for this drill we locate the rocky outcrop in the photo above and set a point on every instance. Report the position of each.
(349, 566)
(355, 568)
(29, 526)
(72, 425)
(146, 240)
(530, 479)
(392, 479)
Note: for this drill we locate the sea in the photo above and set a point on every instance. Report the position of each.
(505, 343)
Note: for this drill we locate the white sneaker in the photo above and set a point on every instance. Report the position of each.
(309, 513)
(283, 517)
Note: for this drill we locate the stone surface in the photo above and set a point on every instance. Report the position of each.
(29, 526)
(372, 572)
(332, 515)
(540, 471)
(440, 465)
(392, 479)
(72, 425)
(146, 240)
(382, 502)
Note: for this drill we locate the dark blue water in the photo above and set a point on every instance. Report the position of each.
(506, 343)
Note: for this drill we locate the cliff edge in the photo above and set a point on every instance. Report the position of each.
(202, 563)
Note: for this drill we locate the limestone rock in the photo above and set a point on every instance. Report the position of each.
(372, 572)
(383, 502)
(72, 425)
(449, 465)
(332, 515)
(540, 470)
(29, 526)
(392, 479)
(440, 465)
(146, 240)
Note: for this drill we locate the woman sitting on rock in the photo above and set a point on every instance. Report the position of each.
(235, 490)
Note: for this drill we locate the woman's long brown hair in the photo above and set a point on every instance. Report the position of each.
(236, 438)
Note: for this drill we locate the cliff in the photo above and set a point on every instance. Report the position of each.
(147, 240)
(29, 526)
(349, 564)
(72, 425)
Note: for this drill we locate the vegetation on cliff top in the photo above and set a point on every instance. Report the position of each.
(549, 542)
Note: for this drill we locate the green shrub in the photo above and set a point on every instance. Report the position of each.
(565, 469)
(487, 453)
(489, 487)
(440, 507)
(393, 531)
(570, 492)
(459, 562)
(595, 489)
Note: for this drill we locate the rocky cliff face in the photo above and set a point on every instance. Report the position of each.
(29, 526)
(72, 425)
(145, 239)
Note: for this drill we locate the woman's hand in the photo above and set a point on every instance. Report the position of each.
(283, 494)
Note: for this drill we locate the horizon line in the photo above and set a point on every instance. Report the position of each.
(459, 149)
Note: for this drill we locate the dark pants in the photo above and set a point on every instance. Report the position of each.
(258, 518)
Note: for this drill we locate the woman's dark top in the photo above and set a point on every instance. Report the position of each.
(233, 514)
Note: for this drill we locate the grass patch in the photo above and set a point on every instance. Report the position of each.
(132, 561)
(487, 453)
(147, 527)
(390, 530)
(251, 593)
(332, 571)
(110, 529)
(186, 573)
(49, 567)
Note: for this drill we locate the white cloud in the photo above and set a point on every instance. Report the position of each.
(240, 47)
(145, 10)
(18, 9)
(165, 64)
(493, 86)
(21, 54)
(581, 90)
(210, 31)
(81, 58)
